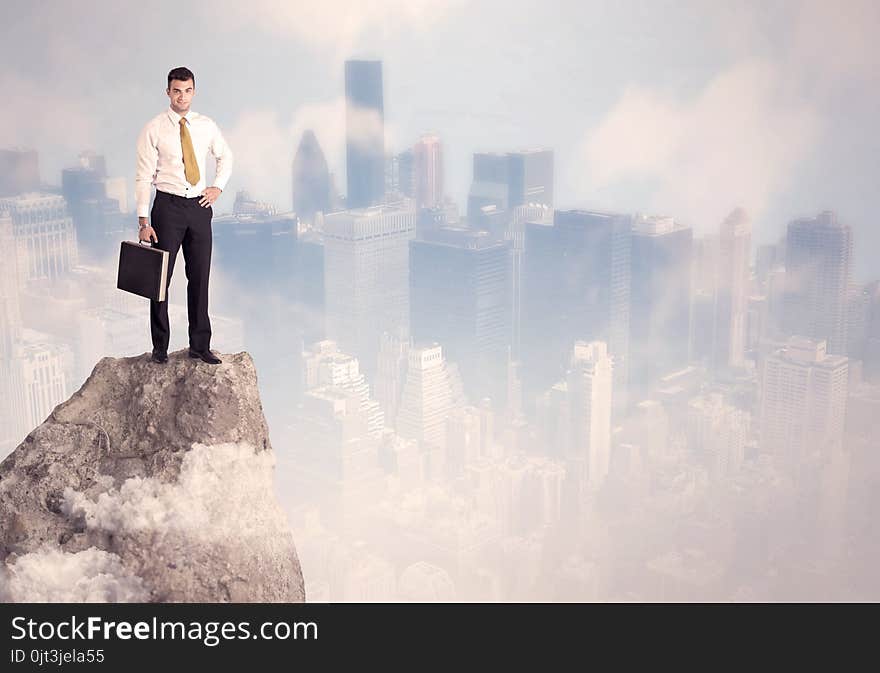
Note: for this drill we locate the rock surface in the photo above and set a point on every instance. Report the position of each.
(161, 472)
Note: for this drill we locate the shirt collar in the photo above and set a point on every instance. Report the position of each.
(174, 117)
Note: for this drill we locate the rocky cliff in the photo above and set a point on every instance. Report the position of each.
(151, 483)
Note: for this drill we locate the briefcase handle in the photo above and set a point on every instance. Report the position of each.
(144, 242)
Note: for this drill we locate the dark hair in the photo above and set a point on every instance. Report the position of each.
(181, 74)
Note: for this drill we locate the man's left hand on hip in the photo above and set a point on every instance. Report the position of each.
(209, 196)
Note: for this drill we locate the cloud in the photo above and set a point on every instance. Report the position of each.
(742, 138)
(736, 143)
(53, 576)
(340, 24)
(38, 116)
(224, 495)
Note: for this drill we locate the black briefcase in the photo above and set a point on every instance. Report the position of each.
(143, 270)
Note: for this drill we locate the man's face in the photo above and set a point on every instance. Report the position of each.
(180, 93)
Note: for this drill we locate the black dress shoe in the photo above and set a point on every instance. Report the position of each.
(205, 356)
(159, 357)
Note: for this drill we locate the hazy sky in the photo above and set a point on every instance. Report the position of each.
(681, 108)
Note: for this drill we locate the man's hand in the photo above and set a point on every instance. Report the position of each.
(209, 195)
(146, 232)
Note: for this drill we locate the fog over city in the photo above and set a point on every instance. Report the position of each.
(572, 302)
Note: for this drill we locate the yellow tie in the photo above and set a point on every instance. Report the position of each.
(190, 165)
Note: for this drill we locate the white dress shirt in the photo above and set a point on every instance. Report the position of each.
(160, 157)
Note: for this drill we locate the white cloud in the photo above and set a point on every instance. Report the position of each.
(741, 139)
(35, 115)
(224, 494)
(53, 576)
(736, 143)
(340, 24)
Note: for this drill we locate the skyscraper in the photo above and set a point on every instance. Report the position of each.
(459, 281)
(803, 401)
(576, 286)
(576, 415)
(660, 306)
(311, 179)
(10, 312)
(44, 235)
(507, 180)
(731, 290)
(428, 398)
(818, 260)
(366, 277)
(365, 133)
(10, 329)
(428, 160)
(589, 384)
(516, 233)
(325, 365)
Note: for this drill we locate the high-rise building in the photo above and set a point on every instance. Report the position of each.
(516, 233)
(818, 260)
(576, 415)
(43, 372)
(428, 398)
(575, 286)
(10, 330)
(871, 346)
(10, 311)
(44, 234)
(507, 180)
(428, 161)
(459, 282)
(660, 304)
(19, 171)
(311, 179)
(366, 277)
(246, 206)
(365, 133)
(391, 374)
(325, 365)
(403, 174)
(589, 385)
(803, 401)
(732, 290)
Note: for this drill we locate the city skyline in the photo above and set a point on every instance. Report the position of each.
(507, 391)
(481, 100)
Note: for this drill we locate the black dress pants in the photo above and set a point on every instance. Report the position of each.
(182, 222)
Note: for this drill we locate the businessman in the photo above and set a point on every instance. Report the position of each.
(171, 152)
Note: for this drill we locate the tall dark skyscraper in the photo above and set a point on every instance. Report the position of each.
(660, 304)
(311, 179)
(511, 179)
(365, 133)
(459, 284)
(818, 261)
(575, 286)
